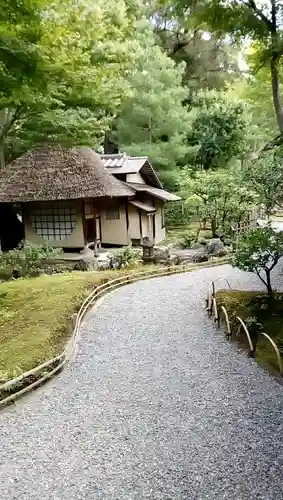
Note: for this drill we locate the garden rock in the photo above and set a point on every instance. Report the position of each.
(161, 254)
(85, 265)
(87, 261)
(103, 261)
(200, 257)
(216, 247)
(203, 241)
(173, 260)
(192, 255)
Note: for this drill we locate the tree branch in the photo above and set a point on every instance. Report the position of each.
(273, 15)
(252, 5)
(274, 264)
(7, 126)
(261, 279)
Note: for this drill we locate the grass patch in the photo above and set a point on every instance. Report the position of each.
(34, 314)
(174, 233)
(261, 313)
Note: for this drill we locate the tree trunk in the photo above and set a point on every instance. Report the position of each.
(150, 129)
(275, 90)
(213, 228)
(274, 66)
(268, 282)
(2, 157)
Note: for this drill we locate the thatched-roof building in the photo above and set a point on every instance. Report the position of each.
(72, 197)
(55, 173)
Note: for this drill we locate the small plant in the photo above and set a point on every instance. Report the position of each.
(252, 322)
(177, 214)
(26, 260)
(125, 256)
(34, 256)
(187, 239)
(258, 251)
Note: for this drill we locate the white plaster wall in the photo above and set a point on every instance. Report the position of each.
(160, 231)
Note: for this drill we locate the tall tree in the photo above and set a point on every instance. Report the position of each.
(217, 129)
(153, 121)
(261, 22)
(210, 60)
(72, 81)
(219, 197)
(21, 62)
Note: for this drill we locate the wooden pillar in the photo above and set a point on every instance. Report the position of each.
(94, 230)
(23, 219)
(84, 222)
(140, 221)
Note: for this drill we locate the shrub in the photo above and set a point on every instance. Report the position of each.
(177, 214)
(125, 256)
(187, 239)
(28, 259)
(259, 251)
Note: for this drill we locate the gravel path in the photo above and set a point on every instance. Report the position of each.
(154, 405)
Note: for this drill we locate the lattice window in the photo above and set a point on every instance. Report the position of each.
(113, 213)
(54, 223)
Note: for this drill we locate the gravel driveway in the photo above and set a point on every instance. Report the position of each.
(154, 405)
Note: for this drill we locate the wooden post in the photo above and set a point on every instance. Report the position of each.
(84, 223)
(94, 231)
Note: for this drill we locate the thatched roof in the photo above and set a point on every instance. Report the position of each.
(55, 173)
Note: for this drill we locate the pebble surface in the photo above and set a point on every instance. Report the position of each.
(155, 404)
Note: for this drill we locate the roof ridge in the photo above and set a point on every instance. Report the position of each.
(112, 155)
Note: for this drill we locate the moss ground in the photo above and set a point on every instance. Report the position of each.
(261, 313)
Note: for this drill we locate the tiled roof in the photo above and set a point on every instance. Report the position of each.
(123, 164)
(158, 193)
(143, 206)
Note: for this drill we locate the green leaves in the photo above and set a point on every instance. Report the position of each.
(218, 196)
(217, 128)
(153, 120)
(63, 70)
(265, 174)
(259, 250)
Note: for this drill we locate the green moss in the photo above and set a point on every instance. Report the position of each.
(261, 313)
(34, 314)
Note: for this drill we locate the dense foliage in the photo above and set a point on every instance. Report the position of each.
(193, 84)
(153, 120)
(219, 198)
(258, 251)
(217, 129)
(62, 65)
(26, 261)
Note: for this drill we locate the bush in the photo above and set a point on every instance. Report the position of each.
(27, 260)
(187, 239)
(125, 256)
(258, 251)
(177, 214)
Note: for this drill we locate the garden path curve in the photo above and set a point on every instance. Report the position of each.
(155, 405)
